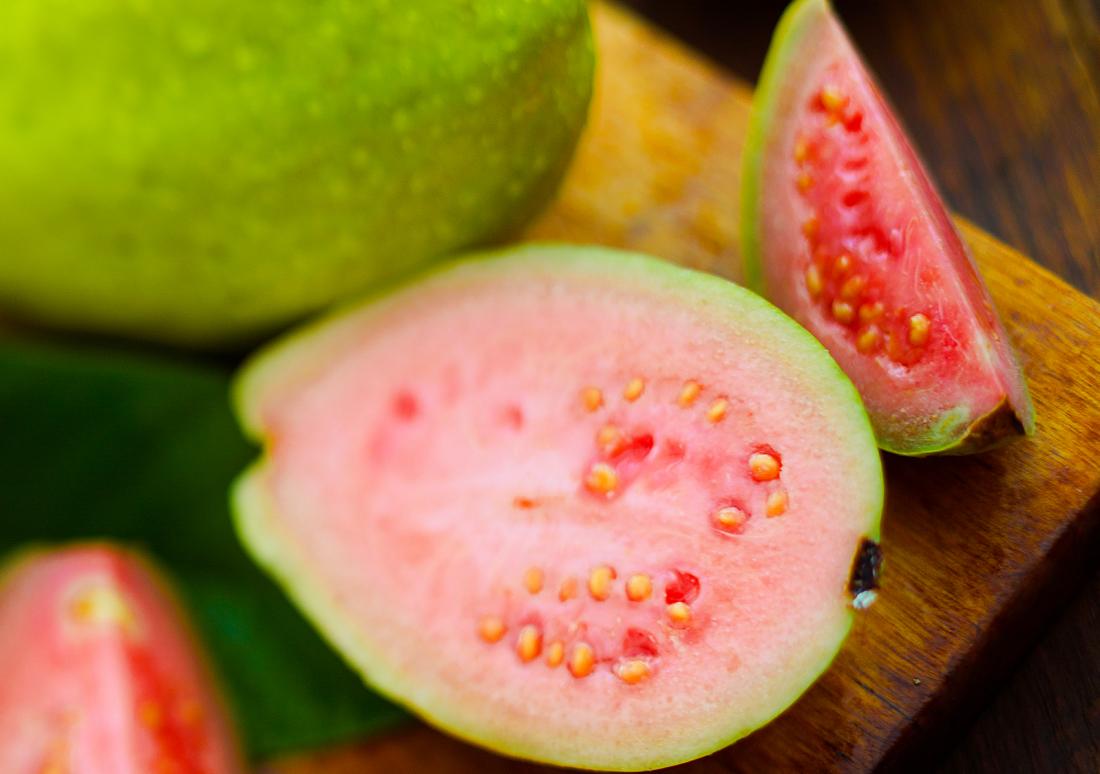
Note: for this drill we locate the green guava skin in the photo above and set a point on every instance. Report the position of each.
(200, 172)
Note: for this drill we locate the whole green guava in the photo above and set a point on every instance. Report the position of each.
(201, 172)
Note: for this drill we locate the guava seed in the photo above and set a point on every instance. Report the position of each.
(639, 587)
(491, 628)
(599, 582)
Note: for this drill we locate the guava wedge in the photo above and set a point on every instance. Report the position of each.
(572, 504)
(201, 172)
(102, 675)
(843, 229)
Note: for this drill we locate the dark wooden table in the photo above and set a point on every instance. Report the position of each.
(1003, 100)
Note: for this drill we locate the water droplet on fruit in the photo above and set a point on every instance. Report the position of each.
(491, 628)
(814, 283)
(684, 587)
(776, 504)
(599, 582)
(919, 326)
(529, 642)
(639, 587)
(679, 613)
(555, 654)
(532, 580)
(843, 312)
(632, 672)
(634, 389)
(717, 411)
(601, 479)
(868, 339)
(730, 518)
(763, 466)
(610, 440)
(592, 398)
(689, 393)
(582, 660)
(568, 589)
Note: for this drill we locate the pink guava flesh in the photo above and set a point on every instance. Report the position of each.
(101, 674)
(845, 232)
(572, 504)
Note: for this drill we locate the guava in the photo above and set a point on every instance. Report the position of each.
(843, 229)
(572, 504)
(201, 172)
(102, 675)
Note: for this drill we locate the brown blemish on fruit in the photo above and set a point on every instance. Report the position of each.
(555, 654)
(776, 504)
(532, 580)
(679, 613)
(730, 518)
(601, 479)
(568, 589)
(582, 660)
(599, 582)
(610, 440)
(639, 587)
(632, 672)
(529, 643)
(814, 283)
(843, 312)
(689, 393)
(634, 389)
(763, 466)
(869, 339)
(919, 326)
(491, 628)
(524, 502)
(717, 411)
(591, 398)
(866, 567)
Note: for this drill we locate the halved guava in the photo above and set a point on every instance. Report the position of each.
(843, 230)
(101, 673)
(571, 504)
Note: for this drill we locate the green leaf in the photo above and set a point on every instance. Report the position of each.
(94, 445)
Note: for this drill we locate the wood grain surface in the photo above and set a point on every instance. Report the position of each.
(975, 547)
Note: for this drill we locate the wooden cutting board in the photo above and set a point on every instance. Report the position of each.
(979, 550)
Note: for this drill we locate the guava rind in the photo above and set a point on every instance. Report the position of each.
(205, 173)
(954, 430)
(296, 361)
